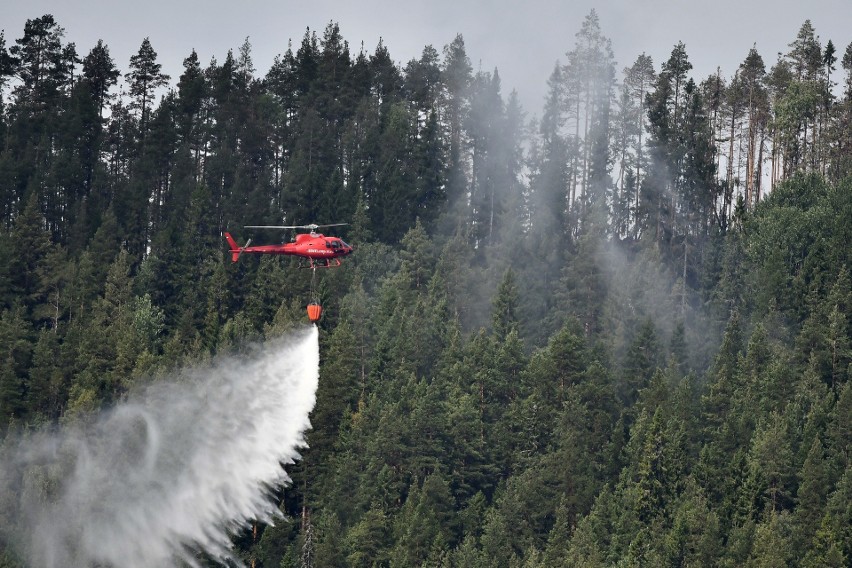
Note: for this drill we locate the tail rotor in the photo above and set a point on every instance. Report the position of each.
(236, 249)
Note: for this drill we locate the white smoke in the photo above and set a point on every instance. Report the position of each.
(173, 470)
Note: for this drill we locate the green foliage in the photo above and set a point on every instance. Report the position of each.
(366, 542)
(16, 356)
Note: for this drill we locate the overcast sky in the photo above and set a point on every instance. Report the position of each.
(522, 39)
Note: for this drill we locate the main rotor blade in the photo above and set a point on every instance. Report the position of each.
(311, 227)
(314, 227)
(269, 227)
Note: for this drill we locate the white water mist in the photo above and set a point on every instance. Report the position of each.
(170, 471)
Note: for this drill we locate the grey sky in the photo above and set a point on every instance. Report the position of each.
(523, 40)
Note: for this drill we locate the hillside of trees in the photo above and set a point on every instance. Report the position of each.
(615, 332)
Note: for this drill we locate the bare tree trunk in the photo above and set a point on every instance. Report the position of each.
(574, 169)
(739, 177)
(730, 169)
(759, 177)
(639, 163)
(585, 177)
(750, 158)
(683, 275)
(776, 159)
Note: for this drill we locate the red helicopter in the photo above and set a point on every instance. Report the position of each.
(321, 251)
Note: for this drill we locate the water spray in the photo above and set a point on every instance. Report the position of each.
(174, 470)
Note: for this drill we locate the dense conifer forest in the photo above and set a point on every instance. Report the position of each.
(614, 331)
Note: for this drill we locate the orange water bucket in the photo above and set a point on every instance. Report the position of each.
(314, 311)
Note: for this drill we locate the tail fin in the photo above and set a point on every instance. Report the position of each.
(235, 248)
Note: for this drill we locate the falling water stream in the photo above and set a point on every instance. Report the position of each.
(169, 472)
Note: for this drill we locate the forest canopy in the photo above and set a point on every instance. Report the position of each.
(613, 334)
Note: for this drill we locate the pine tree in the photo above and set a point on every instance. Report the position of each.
(825, 551)
(38, 59)
(643, 359)
(46, 388)
(770, 483)
(457, 76)
(505, 306)
(839, 435)
(752, 73)
(144, 78)
(638, 81)
(328, 546)
(101, 73)
(772, 546)
(15, 358)
(366, 542)
(695, 537)
(721, 390)
(422, 80)
(811, 496)
(7, 62)
(27, 267)
(426, 517)
(417, 257)
(839, 512)
(106, 353)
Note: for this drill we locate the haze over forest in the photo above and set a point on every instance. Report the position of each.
(617, 334)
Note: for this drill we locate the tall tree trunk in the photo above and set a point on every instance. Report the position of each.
(750, 157)
(759, 177)
(730, 170)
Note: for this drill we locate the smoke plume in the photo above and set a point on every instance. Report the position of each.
(173, 470)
